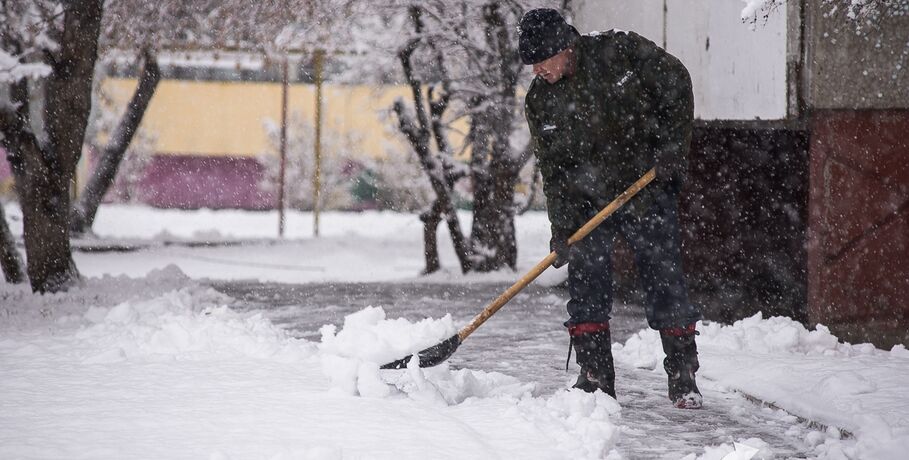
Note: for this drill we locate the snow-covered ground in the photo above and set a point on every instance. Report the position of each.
(162, 368)
(856, 389)
(144, 361)
(368, 246)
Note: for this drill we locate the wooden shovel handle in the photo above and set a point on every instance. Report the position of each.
(540, 267)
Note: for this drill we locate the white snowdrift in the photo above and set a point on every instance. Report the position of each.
(140, 371)
(809, 373)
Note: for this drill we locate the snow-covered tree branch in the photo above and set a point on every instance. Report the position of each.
(862, 12)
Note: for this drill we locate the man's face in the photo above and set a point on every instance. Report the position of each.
(554, 68)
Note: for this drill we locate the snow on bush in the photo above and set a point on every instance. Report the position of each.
(12, 69)
(861, 12)
(753, 9)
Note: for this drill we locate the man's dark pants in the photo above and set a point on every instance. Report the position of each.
(655, 240)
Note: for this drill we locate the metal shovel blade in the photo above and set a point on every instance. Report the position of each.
(432, 356)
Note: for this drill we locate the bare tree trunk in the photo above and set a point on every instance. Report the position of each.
(418, 134)
(84, 211)
(431, 219)
(44, 173)
(433, 216)
(493, 234)
(419, 140)
(10, 261)
(483, 246)
(494, 167)
(43, 190)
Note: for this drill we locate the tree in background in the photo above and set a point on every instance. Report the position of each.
(112, 154)
(10, 261)
(103, 123)
(48, 51)
(54, 45)
(422, 128)
(495, 163)
(348, 181)
(147, 29)
(400, 183)
(460, 60)
(338, 167)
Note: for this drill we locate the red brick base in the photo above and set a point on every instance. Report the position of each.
(858, 250)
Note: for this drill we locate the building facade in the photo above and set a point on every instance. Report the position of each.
(798, 202)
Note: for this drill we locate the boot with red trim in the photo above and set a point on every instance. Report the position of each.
(681, 364)
(593, 344)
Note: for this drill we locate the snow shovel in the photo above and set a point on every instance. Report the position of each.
(438, 353)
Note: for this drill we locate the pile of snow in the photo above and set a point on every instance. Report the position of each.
(20, 308)
(186, 324)
(749, 449)
(579, 424)
(164, 368)
(351, 357)
(810, 373)
(367, 335)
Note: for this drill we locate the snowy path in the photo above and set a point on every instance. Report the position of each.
(526, 340)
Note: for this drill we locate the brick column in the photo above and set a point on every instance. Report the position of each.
(858, 237)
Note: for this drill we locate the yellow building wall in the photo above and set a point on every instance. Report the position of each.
(228, 118)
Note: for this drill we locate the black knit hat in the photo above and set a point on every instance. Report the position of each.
(544, 33)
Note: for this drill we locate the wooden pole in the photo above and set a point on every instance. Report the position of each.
(665, 17)
(74, 189)
(319, 59)
(283, 149)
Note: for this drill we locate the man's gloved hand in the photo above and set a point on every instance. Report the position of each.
(559, 244)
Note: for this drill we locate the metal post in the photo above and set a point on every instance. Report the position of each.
(74, 186)
(317, 173)
(665, 18)
(283, 149)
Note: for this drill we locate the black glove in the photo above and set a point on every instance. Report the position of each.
(559, 245)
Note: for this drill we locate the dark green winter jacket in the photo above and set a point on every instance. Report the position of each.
(628, 107)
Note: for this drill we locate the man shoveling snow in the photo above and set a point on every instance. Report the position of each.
(603, 109)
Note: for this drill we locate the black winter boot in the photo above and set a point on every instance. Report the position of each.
(594, 355)
(681, 364)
